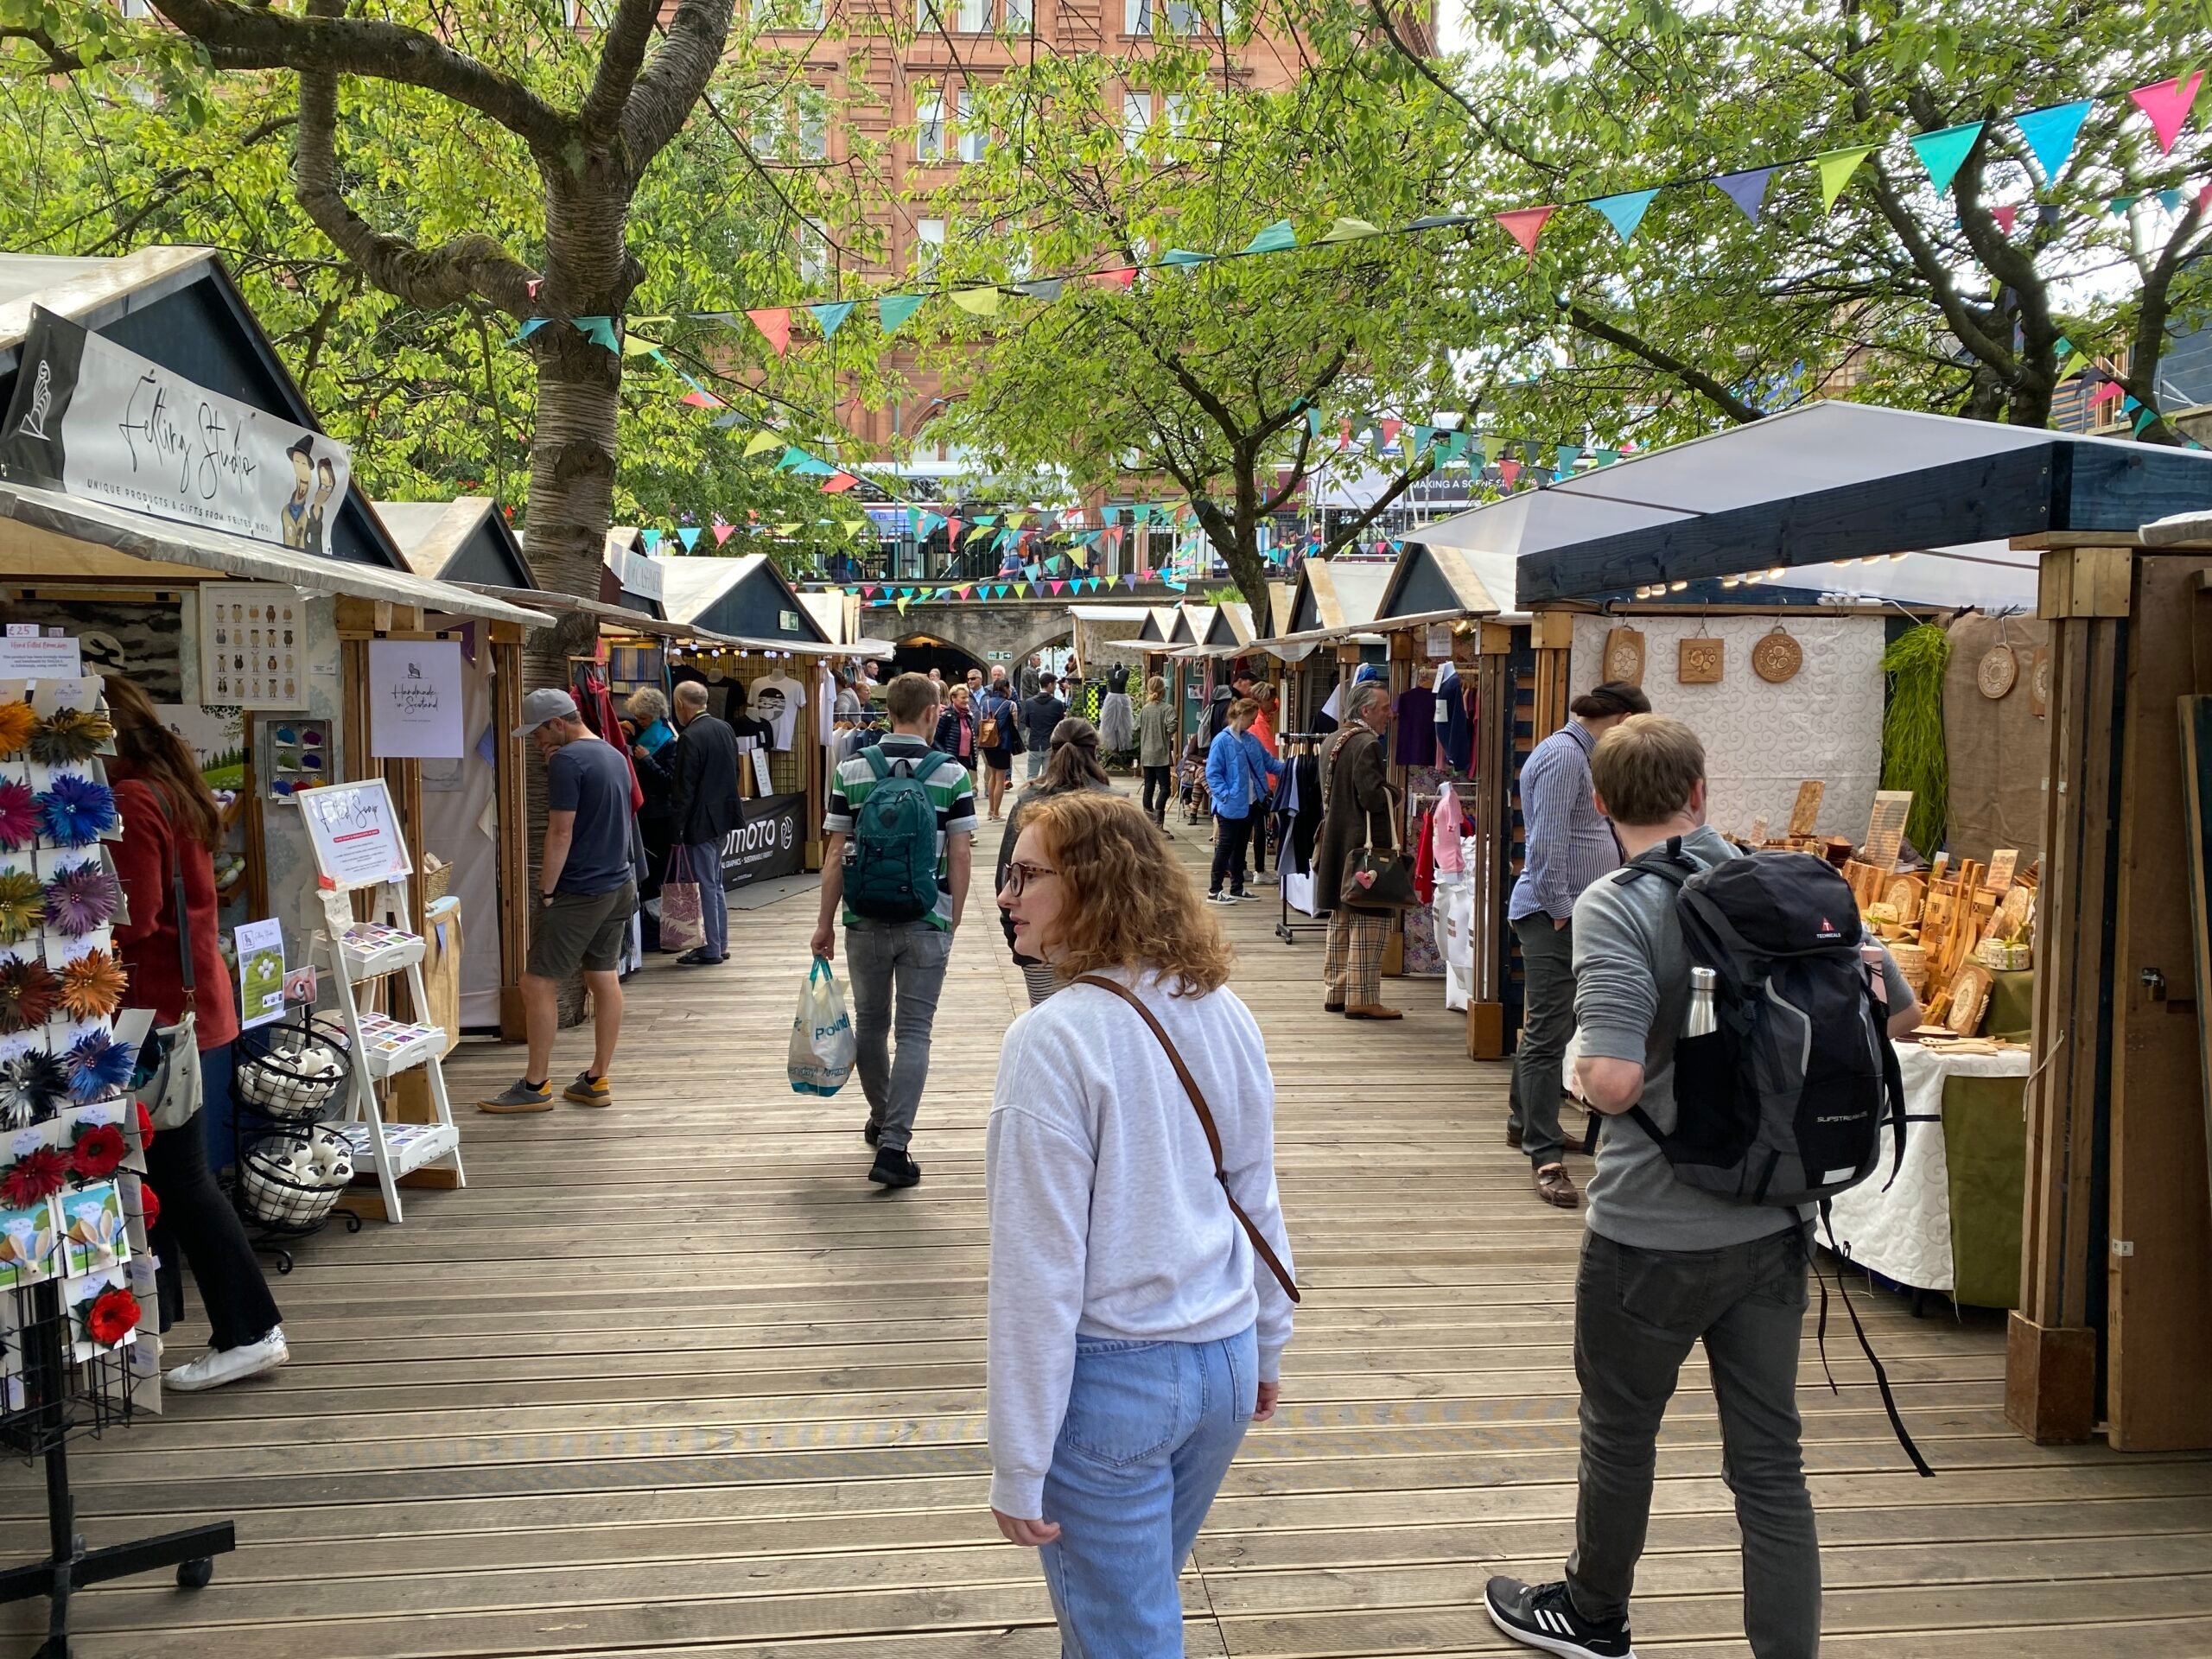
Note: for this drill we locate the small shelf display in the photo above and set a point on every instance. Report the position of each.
(292, 1167)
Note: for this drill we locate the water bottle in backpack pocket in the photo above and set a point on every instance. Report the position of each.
(892, 873)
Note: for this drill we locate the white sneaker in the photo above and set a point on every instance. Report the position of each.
(220, 1365)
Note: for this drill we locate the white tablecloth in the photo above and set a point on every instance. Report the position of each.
(1904, 1233)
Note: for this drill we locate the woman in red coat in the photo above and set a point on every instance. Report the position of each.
(171, 823)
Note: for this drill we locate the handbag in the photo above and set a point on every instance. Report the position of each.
(1378, 880)
(683, 914)
(1265, 1251)
(171, 1093)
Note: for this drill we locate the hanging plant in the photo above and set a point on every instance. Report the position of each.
(1913, 755)
(18, 810)
(76, 811)
(68, 736)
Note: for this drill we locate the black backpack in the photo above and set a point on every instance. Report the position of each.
(1784, 1100)
(1796, 1081)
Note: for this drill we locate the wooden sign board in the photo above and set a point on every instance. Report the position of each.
(1805, 816)
(2002, 863)
(1698, 661)
(1625, 656)
(1885, 827)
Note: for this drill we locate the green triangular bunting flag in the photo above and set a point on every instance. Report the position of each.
(893, 309)
(1836, 169)
(1276, 239)
(1943, 153)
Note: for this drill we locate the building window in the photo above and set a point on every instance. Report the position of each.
(813, 254)
(971, 16)
(799, 131)
(929, 247)
(1137, 16)
(787, 14)
(1020, 16)
(1175, 113)
(929, 127)
(1136, 117)
(811, 130)
(975, 137)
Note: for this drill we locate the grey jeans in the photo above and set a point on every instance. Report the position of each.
(1547, 1026)
(897, 973)
(1636, 1315)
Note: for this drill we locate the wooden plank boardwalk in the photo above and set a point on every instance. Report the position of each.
(673, 1379)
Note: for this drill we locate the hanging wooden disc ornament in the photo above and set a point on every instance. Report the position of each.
(2039, 683)
(1625, 656)
(1777, 657)
(1698, 661)
(1996, 672)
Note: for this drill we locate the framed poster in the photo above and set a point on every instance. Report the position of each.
(415, 699)
(355, 833)
(252, 645)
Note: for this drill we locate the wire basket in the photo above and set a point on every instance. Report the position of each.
(290, 1072)
(270, 1194)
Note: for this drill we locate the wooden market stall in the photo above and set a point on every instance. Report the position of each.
(2114, 1330)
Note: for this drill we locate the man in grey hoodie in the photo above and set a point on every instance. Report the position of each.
(1665, 1265)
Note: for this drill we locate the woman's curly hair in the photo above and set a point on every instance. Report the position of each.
(1128, 903)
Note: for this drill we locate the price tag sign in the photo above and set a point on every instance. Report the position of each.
(355, 833)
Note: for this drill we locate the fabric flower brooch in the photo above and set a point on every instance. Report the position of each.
(93, 985)
(34, 1177)
(67, 735)
(78, 902)
(97, 1151)
(98, 1065)
(76, 811)
(22, 905)
(109, 1317)
(28, 991)
(33, 1085)
(18, 810)
(16, 721)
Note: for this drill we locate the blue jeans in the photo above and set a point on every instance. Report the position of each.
(1150, 1430)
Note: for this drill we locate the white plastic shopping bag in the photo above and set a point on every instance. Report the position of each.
(822, 1035)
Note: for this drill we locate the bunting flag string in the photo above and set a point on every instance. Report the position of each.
(2049, 133)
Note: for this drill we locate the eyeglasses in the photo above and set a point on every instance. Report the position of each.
(1019, 876)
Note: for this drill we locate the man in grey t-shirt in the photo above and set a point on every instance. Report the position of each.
(1665, 1265)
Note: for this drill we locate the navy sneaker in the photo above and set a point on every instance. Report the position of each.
(894, 1168)
(1542, 1616)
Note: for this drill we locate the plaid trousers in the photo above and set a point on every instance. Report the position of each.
(1352, 963)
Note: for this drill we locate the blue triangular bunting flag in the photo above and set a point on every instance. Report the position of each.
(651, 539)
(1746, 189)
(1624, 212)
(1943, 152)
(830, 315)
(2051, 133)
(689, 537)
(1277, 238)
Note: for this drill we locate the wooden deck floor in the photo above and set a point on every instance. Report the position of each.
(674, 1379)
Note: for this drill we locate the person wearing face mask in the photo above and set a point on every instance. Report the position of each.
(1141, 1287)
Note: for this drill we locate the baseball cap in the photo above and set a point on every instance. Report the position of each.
(548, 703)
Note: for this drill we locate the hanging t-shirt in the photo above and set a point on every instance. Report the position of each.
(1416, 714)
(753, 733)
(1455, 730)
(776, 700)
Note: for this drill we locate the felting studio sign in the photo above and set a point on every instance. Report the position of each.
(105, 424)
(768, 843)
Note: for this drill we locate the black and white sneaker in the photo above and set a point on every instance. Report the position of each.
(1542, 1616)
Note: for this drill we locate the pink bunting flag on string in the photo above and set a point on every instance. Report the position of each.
(838, 483)
(2168, 103)
(1122, 278)
(1525, 225)
(952, 532)
(2105, 393)
(1059, 587)
(1508, 470)
(2005, 218)
(722, 531)
(1389, 432)
(700, 397)
(775, 326)
(1343, 437)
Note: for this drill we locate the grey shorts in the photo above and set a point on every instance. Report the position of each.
(581, 929)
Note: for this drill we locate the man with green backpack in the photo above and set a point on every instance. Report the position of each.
(900, 828)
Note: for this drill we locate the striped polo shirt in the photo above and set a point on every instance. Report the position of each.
(952, 791)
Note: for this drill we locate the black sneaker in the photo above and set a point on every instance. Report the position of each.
(1543, 1616)
(868, 1132)
(699, 958)
(895, 1168)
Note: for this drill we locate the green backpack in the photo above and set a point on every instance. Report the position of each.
(893, 876)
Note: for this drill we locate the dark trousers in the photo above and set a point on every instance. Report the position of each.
(198, 1220)
(1158, 785)
(659, 836)
(1636, 1315)
(1230, 836)
(1547, 1025)
(1261, 812)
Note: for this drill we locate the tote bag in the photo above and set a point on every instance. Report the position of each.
(683, 921)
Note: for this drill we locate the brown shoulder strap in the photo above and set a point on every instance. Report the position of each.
(1260, 1244)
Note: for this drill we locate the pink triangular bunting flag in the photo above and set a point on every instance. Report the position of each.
(776, 325)
(699, 397)
(1121, 278)
(837, 483)
(2167, 103)
(1059, 587)
(2104, 393)
(1525, 225)
(722, 531)
(2005, 218)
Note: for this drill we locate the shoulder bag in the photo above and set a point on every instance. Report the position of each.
(1375, 878)
(171, 1093)
(1260, 1245)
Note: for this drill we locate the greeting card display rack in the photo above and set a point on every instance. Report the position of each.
(379, 1048)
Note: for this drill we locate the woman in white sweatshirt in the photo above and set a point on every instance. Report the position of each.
(1138, 1305)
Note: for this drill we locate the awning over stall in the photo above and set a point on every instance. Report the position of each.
(43, 534)
(1816, 494)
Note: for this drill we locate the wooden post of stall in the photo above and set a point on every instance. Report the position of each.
(1492, 823)
(510, 783)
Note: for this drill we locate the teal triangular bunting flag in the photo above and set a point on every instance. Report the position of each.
(1624, 212)
(1943, 153)
(688, 538)
(1276, 239)
(893, 309)
(651, 539)
(829, 316)
(1185, 259)
(2051, 133)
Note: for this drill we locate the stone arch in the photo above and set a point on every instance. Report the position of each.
(919, 650)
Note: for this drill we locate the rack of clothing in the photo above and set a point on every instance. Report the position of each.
(1295, 825)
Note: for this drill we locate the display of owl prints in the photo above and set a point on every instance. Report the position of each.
(1778, 657)
(1698, 661)
(248, 654)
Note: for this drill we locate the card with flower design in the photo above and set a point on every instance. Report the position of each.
(93, 1236)
(103, 1312)
(30, 1245)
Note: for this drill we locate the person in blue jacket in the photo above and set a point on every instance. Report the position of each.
(1240, 776)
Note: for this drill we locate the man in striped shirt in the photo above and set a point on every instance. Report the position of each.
(1570, 845)
(897, 969)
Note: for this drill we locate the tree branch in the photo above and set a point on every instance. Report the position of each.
(1696, 378)
(660, 102)
(621, 50)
